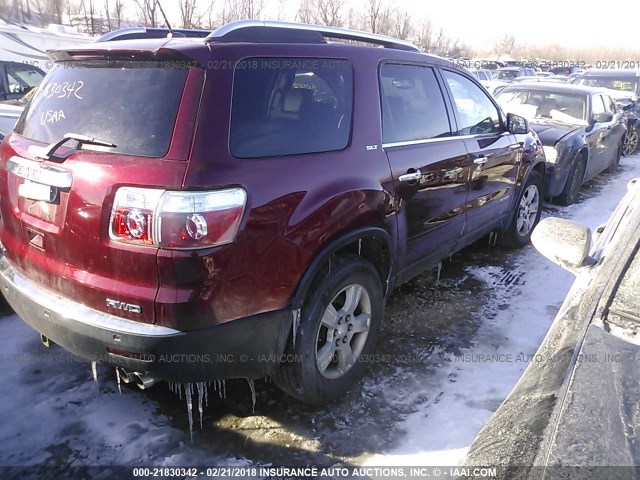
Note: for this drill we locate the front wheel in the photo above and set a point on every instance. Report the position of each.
(613, 167)
(527, 213)
(630, 144)
(571, 189)
(338, 329)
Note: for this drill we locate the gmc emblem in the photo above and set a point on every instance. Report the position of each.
(127, 307)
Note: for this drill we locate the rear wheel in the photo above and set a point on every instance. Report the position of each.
(571, 189)
(630, 144)
(527, 213)
(340, 321)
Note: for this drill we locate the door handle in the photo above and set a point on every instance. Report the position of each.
(480, 160)
(411, 176)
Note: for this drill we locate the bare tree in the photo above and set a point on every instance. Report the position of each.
(211, 23)
(402, 24)
(56, 9)
(251, 9)
(425, 35)
(118, 13)
(505, 45)
(87, 8)
(188, 13)
(328, 12)
(378, 17)
(305, 11)
(229, 13)
(107, 12)
(148, 12)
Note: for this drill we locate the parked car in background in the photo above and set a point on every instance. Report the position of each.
(17, 79)
(623, 85)
(28, 45)
(576, 403)
(495, 86)
(580, 127)
(144, 223)
(510, 74)
(9, 115)
(566, 70)
(483, 75)
(486, 80)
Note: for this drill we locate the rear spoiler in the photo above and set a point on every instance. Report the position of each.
(161, 54)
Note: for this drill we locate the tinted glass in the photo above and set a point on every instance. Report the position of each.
(505, 74)
(413, 107)
(562, 107)
(625, 84)
(289, 106)
(133, 106)
(475, 113)
(22, 78)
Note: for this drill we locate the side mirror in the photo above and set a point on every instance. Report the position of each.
(602, 117)
(517, 124)
(564, 242)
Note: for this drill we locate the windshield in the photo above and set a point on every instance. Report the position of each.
(614, 83)
(561, 107)
(132, 105)
(505, 74)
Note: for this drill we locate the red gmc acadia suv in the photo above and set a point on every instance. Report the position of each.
(191, 209)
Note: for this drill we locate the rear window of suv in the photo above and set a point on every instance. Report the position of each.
(132, 105)
(290, 106)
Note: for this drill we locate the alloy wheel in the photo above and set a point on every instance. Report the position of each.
(630, 142)
(343, 331)
(528, 210)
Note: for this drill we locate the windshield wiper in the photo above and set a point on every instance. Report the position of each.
(47, 153)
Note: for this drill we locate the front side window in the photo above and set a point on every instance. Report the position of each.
(290, 106)
(597, 104)
(413, 107)
(475, 113)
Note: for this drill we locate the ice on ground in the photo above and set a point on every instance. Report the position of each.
(515, 323)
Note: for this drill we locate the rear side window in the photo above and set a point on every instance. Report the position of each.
(412, 104)
(290, 106)
(132, 105)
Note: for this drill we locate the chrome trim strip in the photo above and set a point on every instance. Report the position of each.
(329, 32)
(440, 139)
(40, 173)
(76, 311)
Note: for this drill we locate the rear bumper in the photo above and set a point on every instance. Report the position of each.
(245, 348)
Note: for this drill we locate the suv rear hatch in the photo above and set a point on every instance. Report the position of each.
(58, 226)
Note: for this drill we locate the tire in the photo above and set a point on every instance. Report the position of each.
(527, 213)
(630, 142)
(318, 366)
(613, 168)
(571, 189)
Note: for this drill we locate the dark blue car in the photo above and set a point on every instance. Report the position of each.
(581, 128)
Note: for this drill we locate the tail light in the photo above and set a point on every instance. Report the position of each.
(177, 219)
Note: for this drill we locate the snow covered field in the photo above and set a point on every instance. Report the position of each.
(450, 353)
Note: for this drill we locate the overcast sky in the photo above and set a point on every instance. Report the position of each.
(481, 23)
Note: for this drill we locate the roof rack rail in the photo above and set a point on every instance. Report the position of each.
(287, 32)
(132, 33)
